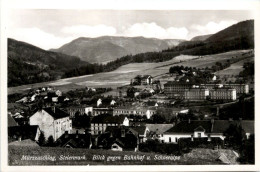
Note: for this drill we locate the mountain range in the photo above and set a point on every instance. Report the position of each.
(108, 48)
(29, 64)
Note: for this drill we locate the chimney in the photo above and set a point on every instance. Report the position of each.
(77, 133)
(123, 133)
(53, 109)
(212, 125)
(66, 134)
(209, 138)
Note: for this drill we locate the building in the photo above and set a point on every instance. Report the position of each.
(176, 89)
(135, 110)
(101, 122)
(58, 93)
(31, 132)
(75, 140)
(142, 80)
(99, 102)
(222, 94)
(196, 94)
(156, 131)
(99, 111)
(81, 110)
(203, 129)
(118, 139)
(52, 122)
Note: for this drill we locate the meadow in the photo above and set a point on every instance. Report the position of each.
(124, 74)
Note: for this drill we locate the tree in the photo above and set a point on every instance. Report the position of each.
(50, 141)
(41, 140)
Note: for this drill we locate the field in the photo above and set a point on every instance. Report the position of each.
(124, 74)
(195, 157)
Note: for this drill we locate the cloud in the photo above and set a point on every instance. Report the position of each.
(212, 27)
(38, 37)
(152, 30)
(89, 31)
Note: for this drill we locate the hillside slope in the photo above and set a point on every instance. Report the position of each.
(108, 48)
(236, 37)
(201, 37)
(30, 64)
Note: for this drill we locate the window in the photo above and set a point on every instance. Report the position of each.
(176, 139)
(170, 139)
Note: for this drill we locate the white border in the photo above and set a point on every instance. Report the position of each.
(252, 5)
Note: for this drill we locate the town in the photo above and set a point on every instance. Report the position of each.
(183, 109)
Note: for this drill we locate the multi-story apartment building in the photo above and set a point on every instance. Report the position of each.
(133, 110)
(176, 89)
(223, 94)
(99, 111)
(196, 94)
(52, 122)
(81, 110)
(101, 122)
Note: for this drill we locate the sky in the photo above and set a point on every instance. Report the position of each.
(52, 28)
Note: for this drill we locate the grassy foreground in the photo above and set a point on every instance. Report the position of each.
(17, 157)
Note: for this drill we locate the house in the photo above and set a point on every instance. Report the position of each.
(141, 132)
(142, 80)
(203, 129)
(101, 122)
(156, 131)
(58, 93)
(99, 102)
(51, 121)
(113, 102)
(75, 140)
(31, 132)
(118, 139)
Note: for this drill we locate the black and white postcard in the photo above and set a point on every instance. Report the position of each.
(109, 85)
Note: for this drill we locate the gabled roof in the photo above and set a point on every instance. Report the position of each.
(200, 128)
(105, 119)
(189, 127)
(248, 126)
(139, 129)
(74, 140)
(113, 135)
(57, 113)
(159, 128)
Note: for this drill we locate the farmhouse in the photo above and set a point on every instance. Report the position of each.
(74, 140)
(118, 139)
(101, 122)
(52, 122)
(142, 80)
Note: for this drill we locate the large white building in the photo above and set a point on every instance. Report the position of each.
(52, 122)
